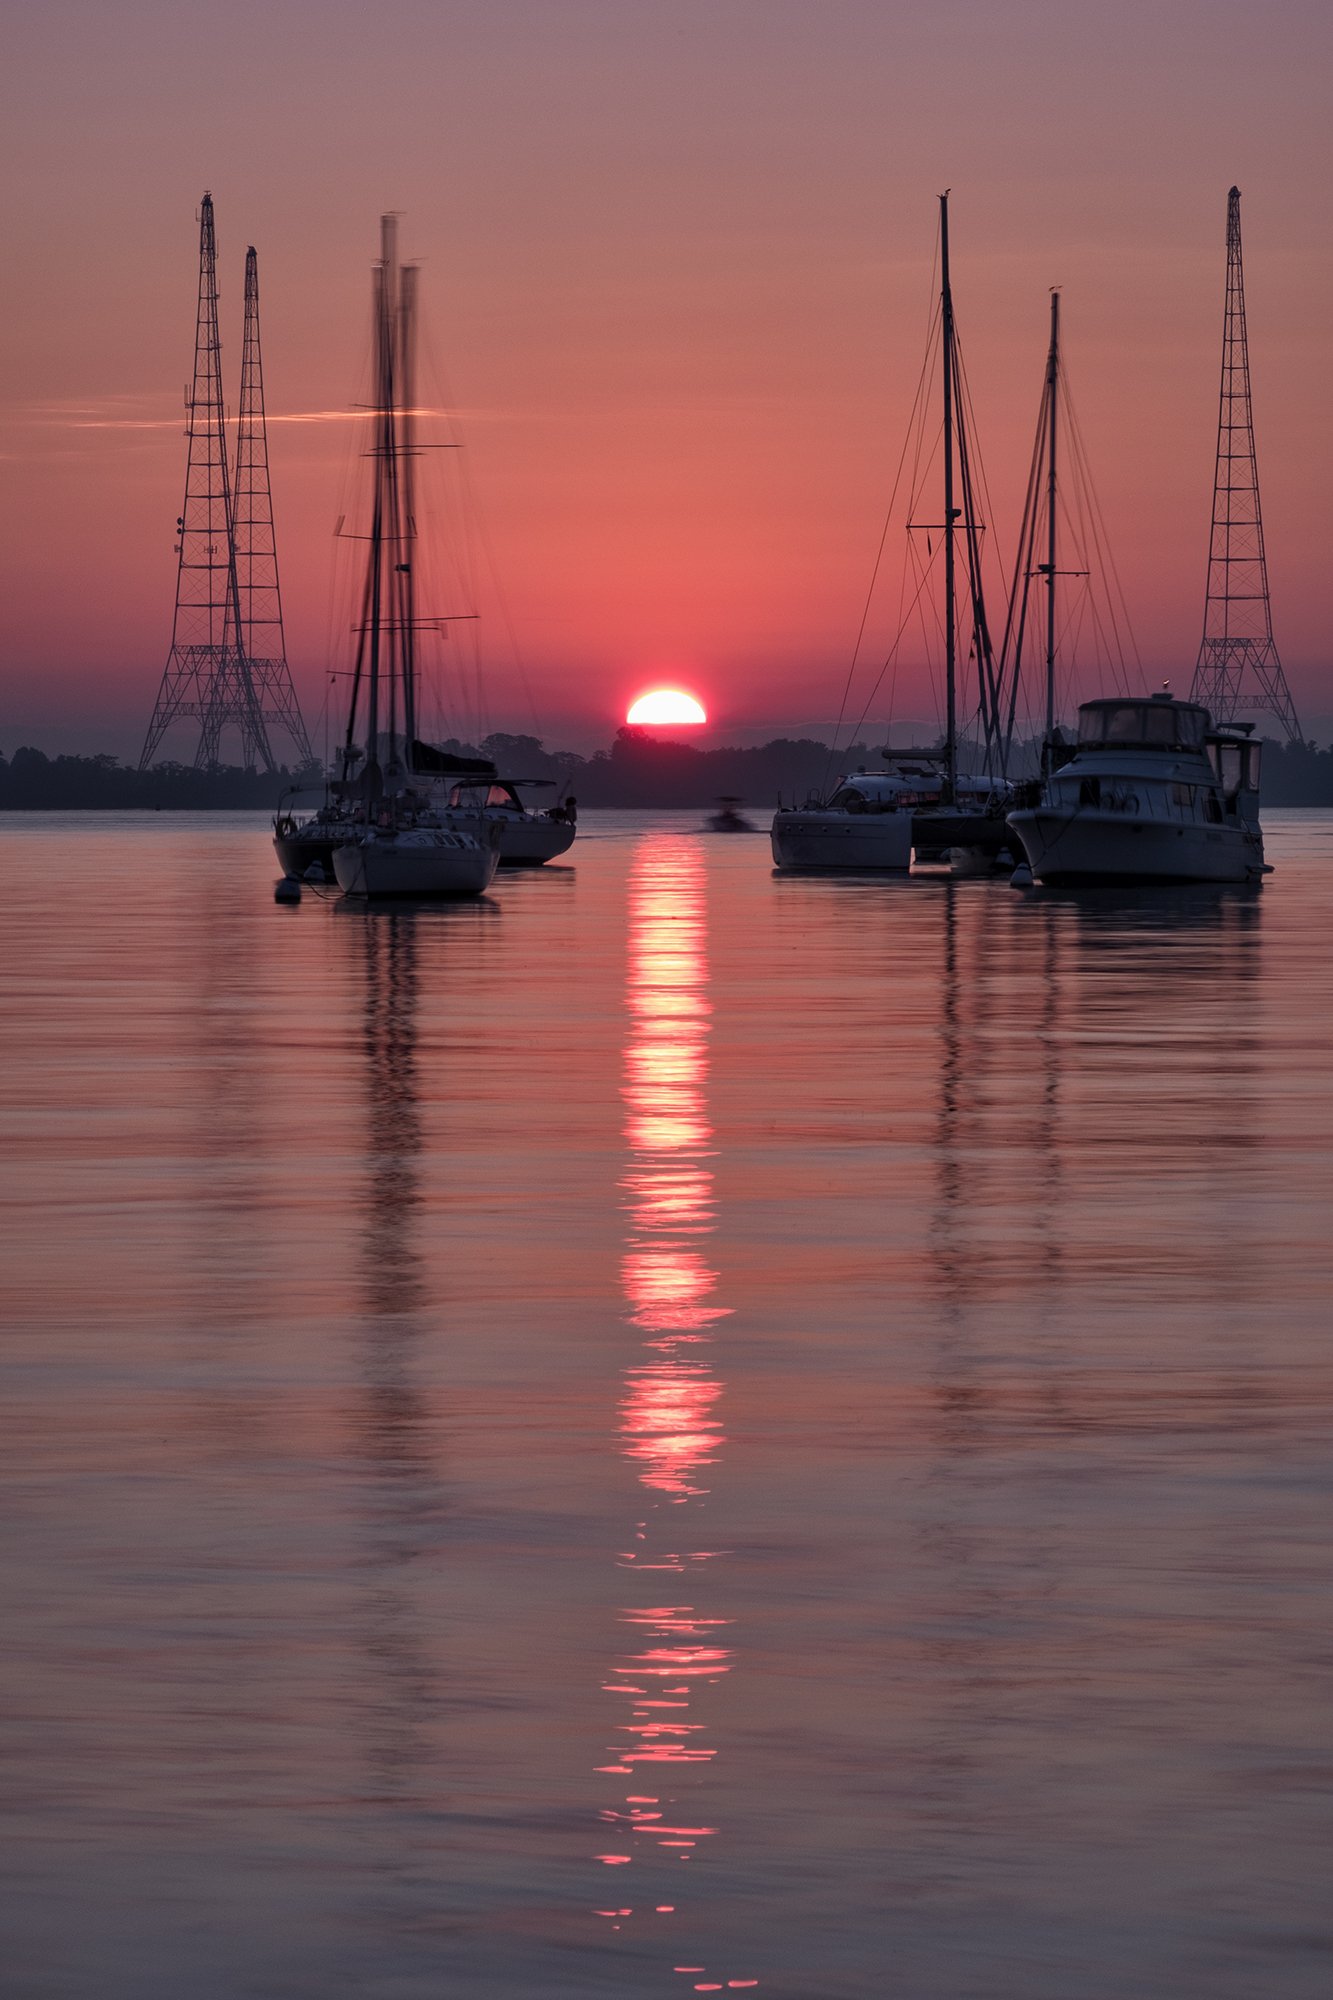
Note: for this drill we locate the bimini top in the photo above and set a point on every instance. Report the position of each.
(1159, 723)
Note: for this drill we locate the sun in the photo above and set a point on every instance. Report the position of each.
(666, 705)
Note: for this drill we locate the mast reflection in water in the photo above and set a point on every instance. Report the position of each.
(670, 1418)
(400, 1503)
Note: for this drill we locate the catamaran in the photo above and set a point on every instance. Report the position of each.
(920, 802)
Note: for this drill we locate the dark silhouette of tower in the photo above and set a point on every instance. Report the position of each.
(260, 601)
(208, 675)
(1238, 665)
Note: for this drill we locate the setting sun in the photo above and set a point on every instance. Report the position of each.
(666, 705)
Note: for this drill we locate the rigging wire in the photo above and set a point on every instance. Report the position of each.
(1115, 593)
(479, 558)
(1097, 613)
(914, 423)
(340, 594)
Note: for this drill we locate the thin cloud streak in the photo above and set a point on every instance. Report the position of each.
(56, 417)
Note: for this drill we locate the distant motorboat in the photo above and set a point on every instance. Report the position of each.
(727, 819)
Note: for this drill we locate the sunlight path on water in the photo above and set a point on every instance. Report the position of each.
(669, 1430)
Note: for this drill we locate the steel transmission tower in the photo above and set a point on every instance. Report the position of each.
(208, 675)
(1238, 665)
(261, 638)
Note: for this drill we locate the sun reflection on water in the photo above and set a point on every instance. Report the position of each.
(671, 1425)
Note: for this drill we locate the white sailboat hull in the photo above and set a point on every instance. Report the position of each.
(417, 862)
(879, 843)
(1085, 845)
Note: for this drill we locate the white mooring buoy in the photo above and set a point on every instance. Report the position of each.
(1021, 877)
(285, 890)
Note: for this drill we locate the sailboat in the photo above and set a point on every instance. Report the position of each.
(1150, 791)
(381, 832)
(920, 802)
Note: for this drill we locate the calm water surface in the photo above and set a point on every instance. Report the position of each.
(669, 1431)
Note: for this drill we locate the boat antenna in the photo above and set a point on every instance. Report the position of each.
(950, 791)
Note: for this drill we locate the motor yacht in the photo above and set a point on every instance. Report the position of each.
(1151, 793)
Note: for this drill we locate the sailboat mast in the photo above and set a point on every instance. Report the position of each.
(950, 515)
(389, 473)
(407, 309)
(374, 571)
(1052, 407)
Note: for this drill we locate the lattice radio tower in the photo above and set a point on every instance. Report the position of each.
(262, 644)
(208, 676)
(1238, 665)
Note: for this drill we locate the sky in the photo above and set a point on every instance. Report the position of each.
(676, 264)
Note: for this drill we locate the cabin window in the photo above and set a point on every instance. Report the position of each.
(1229, 767)
(1212, 808)
(1182, 795)
(1161, 723)
(1090, 792)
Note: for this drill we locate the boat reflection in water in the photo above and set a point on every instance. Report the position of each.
(675, 1646)
(400, 1513)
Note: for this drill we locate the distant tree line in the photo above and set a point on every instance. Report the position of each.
(1297, 774)
(646, 771)
(32, 781)
(639, 770)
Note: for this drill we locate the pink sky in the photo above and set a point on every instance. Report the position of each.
(676, 261)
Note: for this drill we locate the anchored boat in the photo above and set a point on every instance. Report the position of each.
(527, 838)
(1151, 793)
(874, 820)
(381, 831)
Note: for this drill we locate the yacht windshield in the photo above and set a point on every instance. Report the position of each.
(1163, 724)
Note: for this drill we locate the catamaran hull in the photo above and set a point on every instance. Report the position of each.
(296, 857)
(843, 842)
(1091, 846)
(390, 866)
(938, 830)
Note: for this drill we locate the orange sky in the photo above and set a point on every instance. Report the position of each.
(676, 263)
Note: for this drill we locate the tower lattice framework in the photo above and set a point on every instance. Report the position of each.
(1238, 665)
(258, 596)
(208, 676)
